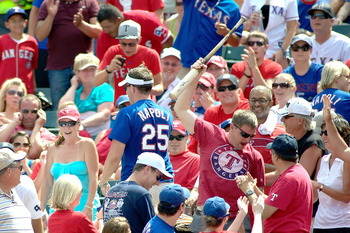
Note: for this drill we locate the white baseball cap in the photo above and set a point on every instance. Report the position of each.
(129, 30)
(156, 161)
(8, 156)
(170, 52)
(297, 106)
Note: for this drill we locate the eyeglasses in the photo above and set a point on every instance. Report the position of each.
(230, 88)
(260, 101)
(258, 43)
(172, 107)
(121, 106)
(179, 3)
(178, 137)
(19, 167)
(18, 144)
(320, 16)
(33, 111)
(288, 116)
(202, 86)
(303, 48)
(132, 44)
(244, 134)
(126, 86)
(13, 92)
(67, 123)
(324, 132)
(346, 76)
(159, 177)
(281, 85)
(166, 63)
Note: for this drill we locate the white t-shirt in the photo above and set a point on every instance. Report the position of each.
(281, 11)
(336, 48)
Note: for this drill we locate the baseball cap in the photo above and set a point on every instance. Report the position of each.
(69, 112)
(179, 127)
(216, 206)
(122, 99)
(302, 37)
(14, 11)
(170, 52)
(285, 145)
(8, 156)
(296, 105)
(207, 79)
(84, 60)
(156, 161)
(219, 61)
(129, 30)
(174, 195)
(321, 6)
(225, 123)
(230, 77)
(134, 81)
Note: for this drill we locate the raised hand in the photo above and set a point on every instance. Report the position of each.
(52, 7)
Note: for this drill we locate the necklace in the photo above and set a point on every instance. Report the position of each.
(211, 9)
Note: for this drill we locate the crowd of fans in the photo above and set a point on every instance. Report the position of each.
(259, 146)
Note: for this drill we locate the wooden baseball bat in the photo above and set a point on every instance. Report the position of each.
(194, 72)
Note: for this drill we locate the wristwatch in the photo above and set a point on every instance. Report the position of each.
(249, 192)
(106, 69)
(320, 189)
(247, 75)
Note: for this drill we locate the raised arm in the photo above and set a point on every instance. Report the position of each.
(35, 137)
(44, 27)
(70, 94)
(92, 28)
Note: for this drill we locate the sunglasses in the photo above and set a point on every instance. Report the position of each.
(132, 44)
(19, 167)
(33, 111)
(18, 144)
(260, 101)
(288, 116)
(178, 137)
(324, 132)
(320, 16)
(244, 134)
(303, 48)
(230, 88)
(179, 3)
(258, 43)
(126, 86)
(281, 85)
(67, 123)
(13, 92)
(121, 106)
(166, 63)
(159, 177)
(202, 86)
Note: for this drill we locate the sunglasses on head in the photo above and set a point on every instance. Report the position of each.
(13, 92)
(67, 123)
(230, 88)
(132, 44)
(178, 137)
(320, 16)
(258, 43)
(288, 116)
(202, 86)
(324, 132)
(281, 85)
(18, 144)
(303, 48)
(26, 111)
(244, 134)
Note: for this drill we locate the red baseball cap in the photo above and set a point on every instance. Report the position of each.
(179, 127)
(69, 112)
(219, 61)
(208, 80)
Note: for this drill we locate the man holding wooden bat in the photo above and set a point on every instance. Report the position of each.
(223, 156)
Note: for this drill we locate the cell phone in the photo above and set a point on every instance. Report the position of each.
(122, 60)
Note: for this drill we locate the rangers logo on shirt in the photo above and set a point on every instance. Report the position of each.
(227, 163)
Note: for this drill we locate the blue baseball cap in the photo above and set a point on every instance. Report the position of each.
(174, 195)
(225, 123)
(122, 99)
(16, 10)
(285, 145)
(216, 206)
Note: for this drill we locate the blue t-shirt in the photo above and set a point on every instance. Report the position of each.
(306, 84)
(157, 225)
(101, 94)
(41, 44)
(340, 101)
(197, 35)
(143, 127)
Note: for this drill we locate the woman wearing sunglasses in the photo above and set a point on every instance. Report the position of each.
(10, 93)
(72, 154)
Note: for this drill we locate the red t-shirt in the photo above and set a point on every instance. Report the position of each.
(147, 5)
(269, 69)
(292, 195)
(144, 55)
(216, 114)
(186, 168)
(70, 222)
(220, 163)
(103, 147)
(18, 60)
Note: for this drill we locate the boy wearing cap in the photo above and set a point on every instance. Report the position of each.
(171, 206)
(204, 94)
(327, 45)
(217, 66)
(288, 206)
(131, 198)
(129, 35)
(305, 72)
(19, 51)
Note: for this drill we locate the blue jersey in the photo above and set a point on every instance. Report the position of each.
(306, 84)
(304, 17)
(340, 101)
(143, 127)
(197, 35)
(157, 225)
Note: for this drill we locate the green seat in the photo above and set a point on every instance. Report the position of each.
(232, 54)
(342, 29)
(51, 122)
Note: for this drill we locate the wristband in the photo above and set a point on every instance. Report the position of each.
(247, 75)
(88, 207)
(108, 72)
(283, 51)
(320, 189)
